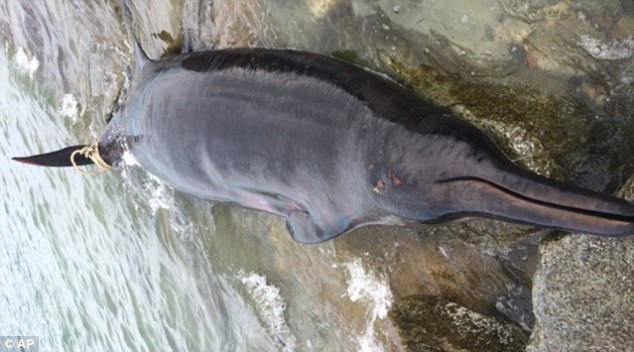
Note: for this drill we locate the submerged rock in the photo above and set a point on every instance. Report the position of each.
(433, 323)
(583, 293)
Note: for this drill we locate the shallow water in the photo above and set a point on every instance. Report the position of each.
(121, 262)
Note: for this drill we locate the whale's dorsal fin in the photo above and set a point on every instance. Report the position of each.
(139, 53)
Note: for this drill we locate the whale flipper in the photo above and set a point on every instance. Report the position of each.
(305, 229)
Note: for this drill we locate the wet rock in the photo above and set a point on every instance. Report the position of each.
(485, 273)
(432, 323)
(321, 9)
(598, 9)
(583, 293)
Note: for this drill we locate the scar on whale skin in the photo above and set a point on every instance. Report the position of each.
(327, 145)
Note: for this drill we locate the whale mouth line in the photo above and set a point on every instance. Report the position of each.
(549, 204)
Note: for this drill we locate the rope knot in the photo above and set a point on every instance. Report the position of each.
(91, 152)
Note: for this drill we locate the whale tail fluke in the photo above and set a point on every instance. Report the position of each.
(60, 158)
(523, 197)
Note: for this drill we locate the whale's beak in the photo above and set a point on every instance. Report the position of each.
(59, 158)
(532, 199)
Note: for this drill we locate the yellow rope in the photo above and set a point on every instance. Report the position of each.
(91, 152)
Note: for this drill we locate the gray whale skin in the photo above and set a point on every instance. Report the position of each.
(329, 146)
